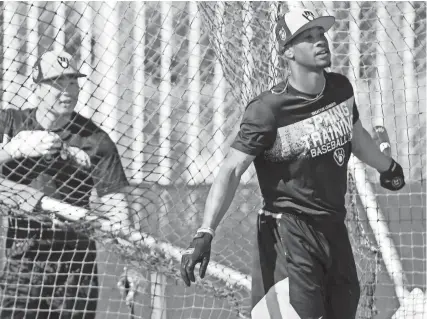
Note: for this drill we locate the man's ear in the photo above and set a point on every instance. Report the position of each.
(289, 52)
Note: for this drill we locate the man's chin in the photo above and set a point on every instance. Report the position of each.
(326, 64)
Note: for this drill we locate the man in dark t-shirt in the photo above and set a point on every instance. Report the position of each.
(51, 270)
(300, 135)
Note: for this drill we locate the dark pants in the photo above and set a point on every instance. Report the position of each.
(49, 274)
(303, 270)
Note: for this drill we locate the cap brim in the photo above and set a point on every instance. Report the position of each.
(325, 22)
(65, 75)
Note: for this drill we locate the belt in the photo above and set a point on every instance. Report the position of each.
(267, 213)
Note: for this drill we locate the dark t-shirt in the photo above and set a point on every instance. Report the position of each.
(65, 178)
(302, 146)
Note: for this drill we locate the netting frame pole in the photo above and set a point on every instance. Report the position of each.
(138, 106)
(247, 16)
(9, 65)
(158, 280)
(106, 54)
(33, 48)
(194, 163)
(33, 35)
(85, 25)
(218, 96)
(7, 17)
(273, 44)
(409, 77)
(165, 89)
(58, 22)
(354, 50)
(383, 71)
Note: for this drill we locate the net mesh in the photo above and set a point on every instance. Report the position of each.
(169, 82)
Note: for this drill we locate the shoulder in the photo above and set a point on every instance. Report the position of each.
(271, 100)
(338, 80)
(259, 110)
(89, 130)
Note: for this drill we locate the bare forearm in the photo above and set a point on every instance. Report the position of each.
(115, 207)
(220, 197)
(368, 152)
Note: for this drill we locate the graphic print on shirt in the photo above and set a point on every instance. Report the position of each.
(327, 130)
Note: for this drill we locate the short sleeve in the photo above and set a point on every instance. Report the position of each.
(108, 173)
(355, 112)
(6, 125)
(257, 130)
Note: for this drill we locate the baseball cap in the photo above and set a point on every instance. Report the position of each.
(55, 64)
(297, 21)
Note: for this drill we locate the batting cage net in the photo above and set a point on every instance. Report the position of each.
(168, 82)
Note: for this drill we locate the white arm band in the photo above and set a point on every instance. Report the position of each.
(206, 230)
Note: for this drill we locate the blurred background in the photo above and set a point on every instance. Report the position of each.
(169, 81)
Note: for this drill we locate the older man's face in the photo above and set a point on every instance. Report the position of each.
(61, 94)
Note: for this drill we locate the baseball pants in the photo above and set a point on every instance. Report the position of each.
(303, 269)
(49, 274)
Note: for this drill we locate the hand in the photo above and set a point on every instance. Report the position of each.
(77, 155)
(130, 282)
(33, 144)
(393, 179)
(198, 252)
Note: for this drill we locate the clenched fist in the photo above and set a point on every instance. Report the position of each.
(80, 157)
(393, 179)
(33, 144)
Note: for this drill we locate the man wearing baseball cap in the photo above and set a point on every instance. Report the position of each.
(300, 135)
(50, 270)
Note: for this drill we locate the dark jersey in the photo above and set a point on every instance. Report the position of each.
(63, 177)
(302, 146)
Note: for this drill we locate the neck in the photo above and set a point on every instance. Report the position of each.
(51, 121)
(310, 82)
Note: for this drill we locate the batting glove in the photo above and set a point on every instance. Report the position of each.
(199, 251)
(393, 179)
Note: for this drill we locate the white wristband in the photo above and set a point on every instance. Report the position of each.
(206, 230)
(384, 146)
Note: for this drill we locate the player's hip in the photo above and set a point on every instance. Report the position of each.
(295, 260)
(290, 231)
(291, 226)
(303, 208)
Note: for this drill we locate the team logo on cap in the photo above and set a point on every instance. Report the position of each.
(308, 15)
(63, 62)
(282, 33)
